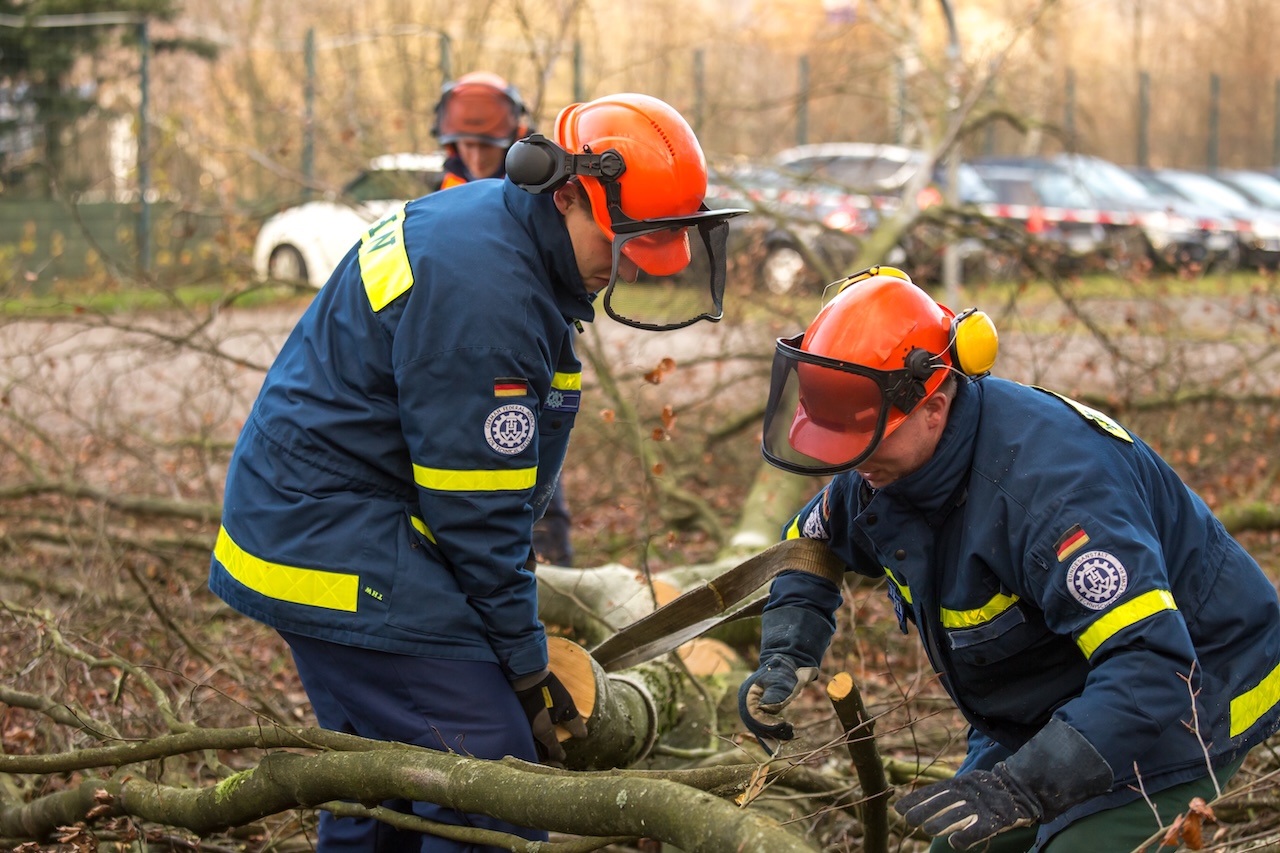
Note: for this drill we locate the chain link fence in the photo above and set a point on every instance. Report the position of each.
(142, 161)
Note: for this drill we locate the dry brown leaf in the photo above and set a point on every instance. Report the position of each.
(754, 787)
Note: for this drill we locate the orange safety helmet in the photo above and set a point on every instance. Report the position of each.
(665, 176)
(645, 177)
(868, 359)
(483, 106)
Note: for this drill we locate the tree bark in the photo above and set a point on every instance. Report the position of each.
(590, 804)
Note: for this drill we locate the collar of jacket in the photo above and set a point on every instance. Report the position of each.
(939, 486)
(453, 164)
(545, 224)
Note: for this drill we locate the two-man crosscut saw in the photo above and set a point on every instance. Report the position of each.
(707, 606)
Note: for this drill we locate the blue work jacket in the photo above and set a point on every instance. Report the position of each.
(383, 491)
(1055, 566)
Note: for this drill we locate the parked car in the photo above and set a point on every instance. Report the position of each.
(1261, 188)
(1257, 228)
(1177, 232)
(801, 233)
(883, 173)
(305, 243)
(1139, 226)
(1051, 207)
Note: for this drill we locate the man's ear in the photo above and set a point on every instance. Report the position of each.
(567, 196)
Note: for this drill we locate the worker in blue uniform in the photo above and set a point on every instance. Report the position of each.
(380, 501)
(1099, 629)
(478, 118)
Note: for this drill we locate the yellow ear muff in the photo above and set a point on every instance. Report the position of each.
(974, 342)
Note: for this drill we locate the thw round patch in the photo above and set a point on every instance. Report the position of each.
(509, 429)
(1096, 579)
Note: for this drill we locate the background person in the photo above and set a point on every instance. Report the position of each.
(478, 118)
(1075, 596)
(380, 501)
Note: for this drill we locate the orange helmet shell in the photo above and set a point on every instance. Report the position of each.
(666, 173)
(874, 323)
(482, 106)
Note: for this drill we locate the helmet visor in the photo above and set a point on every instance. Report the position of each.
(681, 262)
(825, 416)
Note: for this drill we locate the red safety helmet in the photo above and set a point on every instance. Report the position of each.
(666, 172)
(872, 354)
(481, 106)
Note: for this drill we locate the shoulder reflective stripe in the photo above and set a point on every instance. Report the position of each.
(902, 588)
(421, 526)
(985, 613)
(384, 263)
(1118, 618)
(1095, 417)
(567, 381)
(446, 480)
(331, 590)
(452, 180)
(1248, 707)
(793, 529)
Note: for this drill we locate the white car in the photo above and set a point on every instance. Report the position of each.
(305, 243)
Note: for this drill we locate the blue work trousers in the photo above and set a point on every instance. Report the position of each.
(465, 707)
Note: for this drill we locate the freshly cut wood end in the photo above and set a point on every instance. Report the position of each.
(572, 664)
(840, 686)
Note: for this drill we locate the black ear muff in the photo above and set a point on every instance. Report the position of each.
(974, 343)
(537, 164)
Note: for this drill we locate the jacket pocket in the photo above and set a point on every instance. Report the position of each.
(424, 597)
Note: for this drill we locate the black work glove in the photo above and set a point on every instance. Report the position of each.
(547, 703)
(1052, 772)
(792, 642)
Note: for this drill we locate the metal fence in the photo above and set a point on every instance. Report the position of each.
(274, 118)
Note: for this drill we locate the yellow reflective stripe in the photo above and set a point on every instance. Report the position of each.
(903, 588)
(973, 618)
(447, 480)
(567, 381)
(1118, 618)
(793, 529)
(421, 526)
(1249, 706)
(331, 590)
(1103, 422)
(384, 263)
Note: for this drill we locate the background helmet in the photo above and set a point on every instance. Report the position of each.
(665, 176)
(481, 106)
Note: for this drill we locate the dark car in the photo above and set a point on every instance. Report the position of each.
(883, 173)
(801, 233)
(1051, 207)
(1170, 233)
(1257, 228)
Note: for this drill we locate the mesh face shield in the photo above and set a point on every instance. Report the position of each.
(825, 416)
(682, 262)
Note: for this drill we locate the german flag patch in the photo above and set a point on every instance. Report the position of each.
(1070, 542)
(510, 386)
